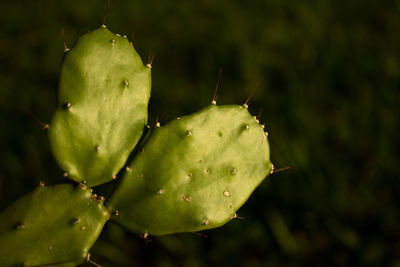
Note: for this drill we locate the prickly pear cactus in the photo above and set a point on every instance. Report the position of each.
(103, 94)
(51, 226)
(193, 173)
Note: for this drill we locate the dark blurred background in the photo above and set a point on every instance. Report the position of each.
(329, 73)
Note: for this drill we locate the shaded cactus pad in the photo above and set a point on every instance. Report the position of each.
(194, 173)
(51, 226)
(103, 95)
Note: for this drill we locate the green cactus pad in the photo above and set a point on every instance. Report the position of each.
(51, 226)
(193, 173)
(103, 95)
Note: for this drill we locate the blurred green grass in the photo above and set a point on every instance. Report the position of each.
(329, 75)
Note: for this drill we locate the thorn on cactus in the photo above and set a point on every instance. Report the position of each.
(88, 260)
(66, 49)
(45, 126)
(280, 169)
(200, 234)
(259, 113)
(246, 103)
(103, 24)
(151, 58)
(235, 216)
(214, 99)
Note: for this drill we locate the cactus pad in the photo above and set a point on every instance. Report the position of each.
(103, 94)
(51, 226)
(193, 173)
